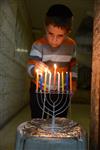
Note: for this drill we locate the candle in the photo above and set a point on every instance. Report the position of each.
(49, 81)
(45, 80)
(66, 81)
(37, 80)
(71, 82)
(55, 67)
(62, 82)
(58, 82)
(41, 82)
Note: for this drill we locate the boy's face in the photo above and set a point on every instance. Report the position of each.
(55, 35)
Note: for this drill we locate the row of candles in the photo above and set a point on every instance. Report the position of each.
(60, 79)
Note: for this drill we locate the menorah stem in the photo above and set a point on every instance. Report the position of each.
(53, 124)
(53, 119)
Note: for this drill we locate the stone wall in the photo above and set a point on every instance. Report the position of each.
(95, 90)
(15, 40)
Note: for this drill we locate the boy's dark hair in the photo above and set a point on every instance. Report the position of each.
(59, 15)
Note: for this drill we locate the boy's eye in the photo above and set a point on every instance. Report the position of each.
(50, 33)
(60, 35)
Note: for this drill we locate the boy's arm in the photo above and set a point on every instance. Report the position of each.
(34, 65)
(35, 61)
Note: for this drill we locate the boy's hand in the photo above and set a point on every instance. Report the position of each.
(41, 67)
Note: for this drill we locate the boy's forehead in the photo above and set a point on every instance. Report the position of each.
(56, 30)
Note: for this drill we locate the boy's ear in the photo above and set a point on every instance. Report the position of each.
(69, 31)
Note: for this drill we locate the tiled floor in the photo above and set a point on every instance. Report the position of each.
(79, 113)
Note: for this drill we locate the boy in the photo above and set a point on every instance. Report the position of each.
(55, 47)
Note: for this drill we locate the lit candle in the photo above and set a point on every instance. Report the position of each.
(66, 81)
(62, 82)
(41, 82)
(37, 80)
(58, 82)
(49, 81)
(45, 80)
(55, 67)
(71, 82)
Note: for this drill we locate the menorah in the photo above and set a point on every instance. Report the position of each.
(53, 93)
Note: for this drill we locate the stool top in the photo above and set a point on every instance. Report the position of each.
(63, 128)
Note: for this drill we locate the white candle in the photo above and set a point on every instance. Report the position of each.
(49, 81)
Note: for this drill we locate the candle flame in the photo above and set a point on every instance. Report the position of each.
(46, 70)
(55, 66)
(49, 71)
(37, 70)
(58, 73)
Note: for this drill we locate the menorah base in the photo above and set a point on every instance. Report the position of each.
(36, 134)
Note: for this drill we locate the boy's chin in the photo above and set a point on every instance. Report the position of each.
(54, 46)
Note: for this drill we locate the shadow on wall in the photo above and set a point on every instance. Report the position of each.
(84, 77)
(84, 56)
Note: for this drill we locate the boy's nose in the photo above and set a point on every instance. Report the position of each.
(55, 38)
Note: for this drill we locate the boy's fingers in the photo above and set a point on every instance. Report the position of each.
(41, 66)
